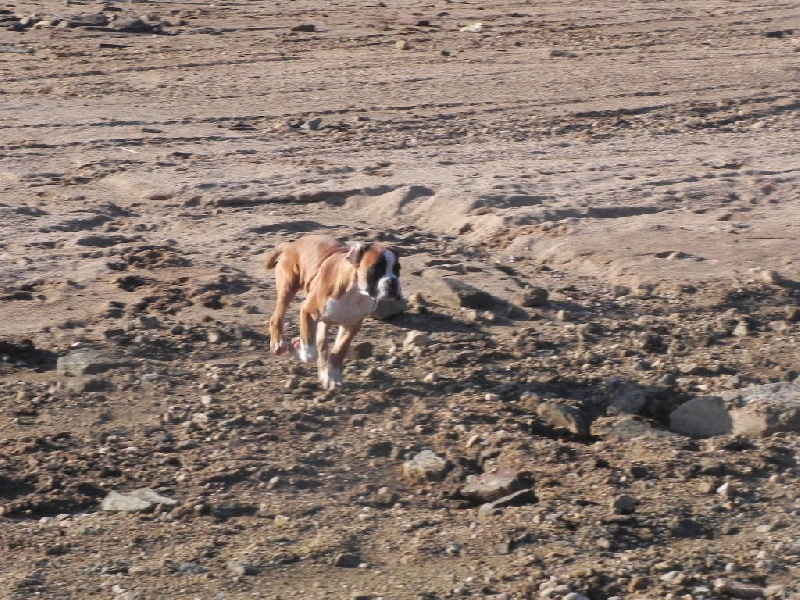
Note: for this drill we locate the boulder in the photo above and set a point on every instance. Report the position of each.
(704, 416)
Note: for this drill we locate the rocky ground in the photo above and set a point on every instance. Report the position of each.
(593, 392)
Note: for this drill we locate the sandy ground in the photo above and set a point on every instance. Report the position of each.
(639, 161)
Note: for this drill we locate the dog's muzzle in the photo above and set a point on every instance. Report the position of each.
(389, 289)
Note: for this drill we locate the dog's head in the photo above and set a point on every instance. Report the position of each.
(378, 270)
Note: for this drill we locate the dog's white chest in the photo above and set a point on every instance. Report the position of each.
(349, 308)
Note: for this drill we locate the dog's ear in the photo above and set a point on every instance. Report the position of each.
(356, 253)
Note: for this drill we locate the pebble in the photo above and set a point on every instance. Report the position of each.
(416, 339)
(347, 560)
(489, 487)
(624, 505)
(726, 490)
(742, 329)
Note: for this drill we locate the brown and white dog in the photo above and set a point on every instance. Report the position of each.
(343, 285)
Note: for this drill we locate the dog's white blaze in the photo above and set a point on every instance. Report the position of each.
(383, 283)
(349, 308)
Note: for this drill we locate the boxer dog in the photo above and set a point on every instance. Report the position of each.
(343, 284)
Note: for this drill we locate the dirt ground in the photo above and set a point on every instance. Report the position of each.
(621, 183)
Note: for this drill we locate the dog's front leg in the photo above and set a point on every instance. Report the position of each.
(304, 347)
(323, 364)
(336, 359)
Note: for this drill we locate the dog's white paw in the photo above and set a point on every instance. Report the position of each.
(302, 351)
(330, 378)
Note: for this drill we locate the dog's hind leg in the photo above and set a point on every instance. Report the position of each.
(288, 285)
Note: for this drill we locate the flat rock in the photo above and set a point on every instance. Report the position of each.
(143, 499)
(458, 294)
(489, 487)
(518, 498)
(737, 589)
(89, 362)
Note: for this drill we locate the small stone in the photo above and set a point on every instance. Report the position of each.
(424, 467)
(503, 548)
(361, 350)
(190, 568)
(771, 277)
(742, 329)
(431, 378)
(638, 583)
(489, 487)
(239, 569)
(531, 297)
(305, 27)
(624, 505)
(726, 490)
(792, 313)
(135, 25)
(453, 549)
(347, 560)
(402, 45)
(559, 415)
(147, 322)
(562, 54)
(312, 124)
(416, 339)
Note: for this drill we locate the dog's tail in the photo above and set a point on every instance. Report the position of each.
(274, 255)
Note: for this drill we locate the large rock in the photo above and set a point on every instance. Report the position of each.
(766, 409)
(704, 416)
(756, 411)
(425, 466)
